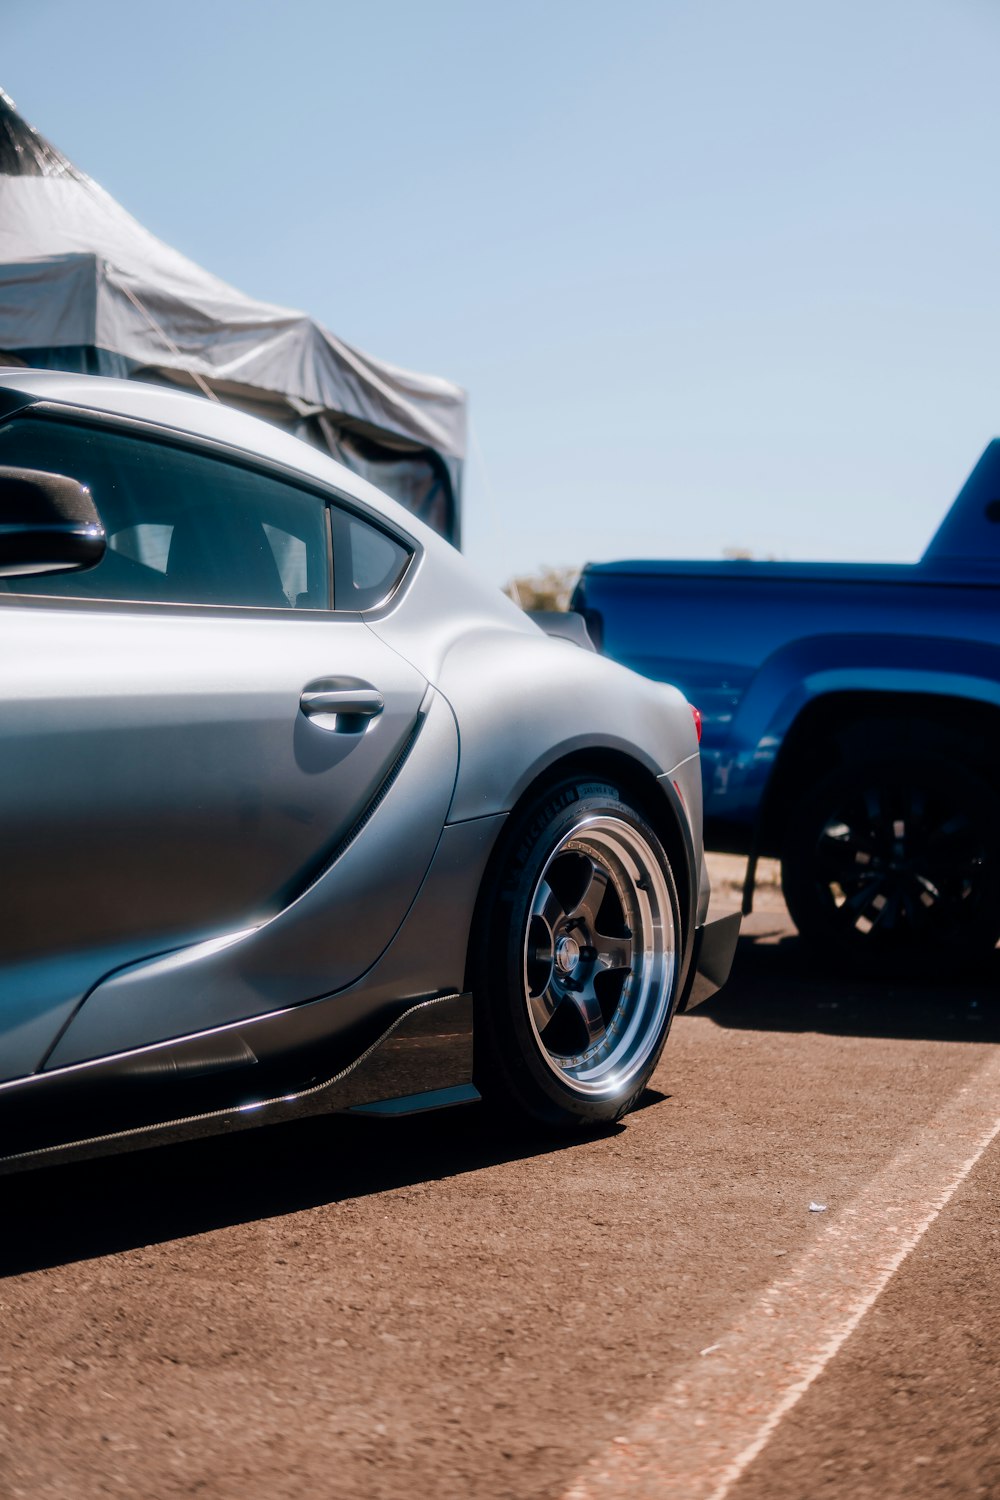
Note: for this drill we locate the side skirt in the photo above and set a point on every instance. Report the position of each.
(422, 1061)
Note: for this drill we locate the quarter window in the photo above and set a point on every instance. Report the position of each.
(183, 527)
(368, 564)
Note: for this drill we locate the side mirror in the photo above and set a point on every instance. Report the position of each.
(48, 524)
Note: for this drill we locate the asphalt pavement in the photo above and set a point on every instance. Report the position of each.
(776, 1279)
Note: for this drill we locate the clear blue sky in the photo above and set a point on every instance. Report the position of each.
(714, 272)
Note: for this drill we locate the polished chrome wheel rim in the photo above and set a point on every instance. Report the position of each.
(600, 956)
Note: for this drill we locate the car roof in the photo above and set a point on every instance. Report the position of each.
(198, 417)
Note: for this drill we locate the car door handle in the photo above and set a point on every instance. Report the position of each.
(347, 709)
(363, 702)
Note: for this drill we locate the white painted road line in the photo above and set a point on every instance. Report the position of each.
(713, 1421)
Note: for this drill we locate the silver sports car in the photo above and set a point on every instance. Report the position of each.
(297, 815)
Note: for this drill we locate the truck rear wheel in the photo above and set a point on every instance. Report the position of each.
(890, 860)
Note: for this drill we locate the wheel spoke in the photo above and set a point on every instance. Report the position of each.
(950, 864)
(844, 852)
(544, 1006)
(896, 856)
(589, 904)
(539, 955)
(613, 952)
(887, 909)
(548, 906)
(588, 1008)
(859, 901)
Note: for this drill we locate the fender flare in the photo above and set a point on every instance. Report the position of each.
(807, 671)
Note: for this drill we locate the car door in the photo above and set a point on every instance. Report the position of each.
(188, 729)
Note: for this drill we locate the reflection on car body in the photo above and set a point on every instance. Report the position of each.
(298, 815)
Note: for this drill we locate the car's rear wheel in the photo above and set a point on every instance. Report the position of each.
(891, 861)
(577, 958)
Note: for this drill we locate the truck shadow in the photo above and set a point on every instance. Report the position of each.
(777, 984)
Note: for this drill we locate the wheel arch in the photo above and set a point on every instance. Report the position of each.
(654, 796)
(838, 727)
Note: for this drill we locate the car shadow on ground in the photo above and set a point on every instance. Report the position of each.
(779, 984)
(57, 1215)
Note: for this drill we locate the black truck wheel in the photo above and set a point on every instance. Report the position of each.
(894, 859)
(577, 959)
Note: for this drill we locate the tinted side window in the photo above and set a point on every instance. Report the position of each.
(368, 564)
(182, 527)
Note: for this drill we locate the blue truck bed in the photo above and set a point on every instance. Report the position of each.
(809, 674)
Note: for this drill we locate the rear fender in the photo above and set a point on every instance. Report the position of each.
(526, 702)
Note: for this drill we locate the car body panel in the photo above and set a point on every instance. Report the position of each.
(240, 1066)
(226, 903)
(577, 699)
(178, 732)
(321, 942)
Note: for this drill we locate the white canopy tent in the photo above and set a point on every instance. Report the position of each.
(83, 286)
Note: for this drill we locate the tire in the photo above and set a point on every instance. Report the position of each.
(891, 861)
(576, 958)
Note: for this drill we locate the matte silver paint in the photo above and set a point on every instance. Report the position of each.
(159, 783)
(223, 816)
(321, 942)
(526, 699)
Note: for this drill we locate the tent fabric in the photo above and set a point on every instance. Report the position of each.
(83, 282)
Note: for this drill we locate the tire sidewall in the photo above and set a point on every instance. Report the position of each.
(816, 920)
(515, 1061)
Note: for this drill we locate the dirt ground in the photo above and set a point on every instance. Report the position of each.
(348, 1308)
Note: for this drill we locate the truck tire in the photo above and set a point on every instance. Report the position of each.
(576, 960)
(891, 860)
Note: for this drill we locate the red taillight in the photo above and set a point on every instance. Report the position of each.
(697, 722)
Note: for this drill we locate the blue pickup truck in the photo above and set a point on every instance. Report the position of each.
(851, 720)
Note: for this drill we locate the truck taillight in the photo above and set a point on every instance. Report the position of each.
(697, 722)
